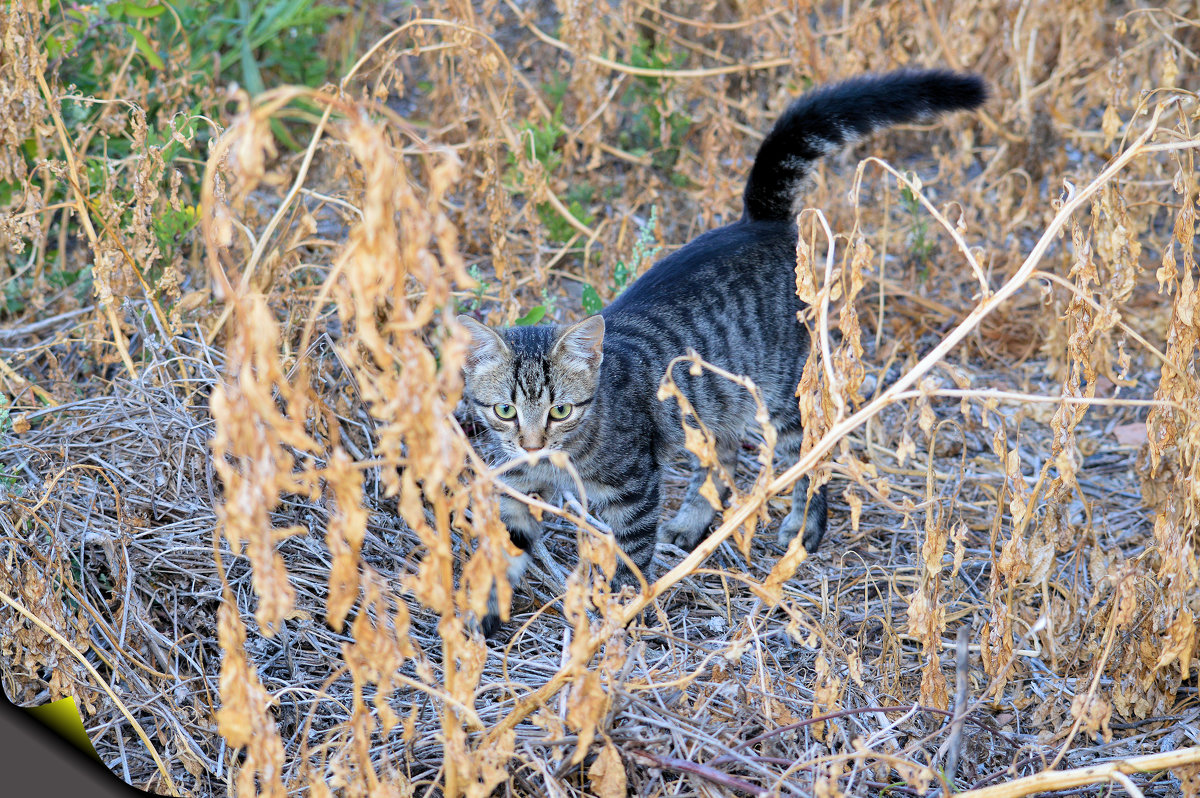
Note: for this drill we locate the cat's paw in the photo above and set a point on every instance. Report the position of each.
(490, 625)
(812, 523)
(689, 526)
(623, 577)
(685, 536)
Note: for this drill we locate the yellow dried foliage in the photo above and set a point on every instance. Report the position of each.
(244, 718)
(1039, 257)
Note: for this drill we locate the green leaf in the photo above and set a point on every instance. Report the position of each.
(535, 314)
(591, 301)
(143, 44)
(144, 12)
(251, 76)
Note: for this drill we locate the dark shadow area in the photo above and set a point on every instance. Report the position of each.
(36, 761)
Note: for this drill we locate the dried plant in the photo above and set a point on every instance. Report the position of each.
(243, 522)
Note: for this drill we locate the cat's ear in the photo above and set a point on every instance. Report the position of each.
(486, 343)
(583, 341)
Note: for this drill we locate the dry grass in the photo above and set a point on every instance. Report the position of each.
(232, 480)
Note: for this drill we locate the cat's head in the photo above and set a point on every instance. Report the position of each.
(533, 386)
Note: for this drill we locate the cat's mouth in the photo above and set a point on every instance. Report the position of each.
(522, 451)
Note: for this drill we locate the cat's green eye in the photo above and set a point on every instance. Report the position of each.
(506, 412)
(559, 412)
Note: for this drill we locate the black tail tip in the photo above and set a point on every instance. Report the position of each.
(955, 90)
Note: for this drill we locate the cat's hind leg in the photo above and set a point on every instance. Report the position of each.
(809, 514)
(690, 524)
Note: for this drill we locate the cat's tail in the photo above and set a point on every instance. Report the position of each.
(827, 118)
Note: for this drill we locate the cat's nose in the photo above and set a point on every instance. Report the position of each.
(532, 449)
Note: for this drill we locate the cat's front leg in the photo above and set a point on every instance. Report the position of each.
(690, 524)
(524, 530)
(631, 510)
(808, 516)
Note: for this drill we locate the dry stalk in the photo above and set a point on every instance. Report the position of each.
(1080, 777)
(84, 212)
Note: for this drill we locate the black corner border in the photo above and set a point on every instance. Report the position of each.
(34, 760)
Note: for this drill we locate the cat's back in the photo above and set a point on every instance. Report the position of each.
(730, 296)
(716, 273)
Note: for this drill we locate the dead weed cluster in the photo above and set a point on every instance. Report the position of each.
(242, 525)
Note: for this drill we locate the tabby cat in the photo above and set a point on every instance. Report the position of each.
(589, 389)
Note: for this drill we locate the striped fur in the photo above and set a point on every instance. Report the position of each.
(729, 295)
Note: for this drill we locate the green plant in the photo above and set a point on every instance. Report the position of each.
(644, 251)
(920, 246)
(535, 314)
(541, 142)
(274, 43)
(173, 225)
(480, 289)
(10, 482)
(18, 289)
(173, 54)
(577, 200)
(86, 31)
(592, 303)
(653, 130)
